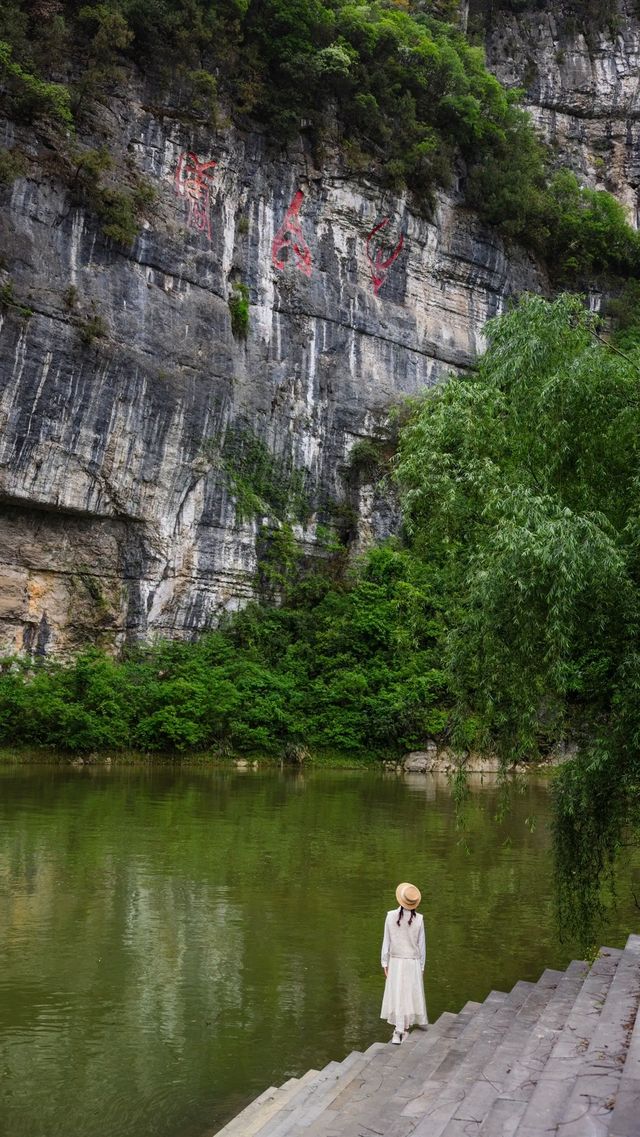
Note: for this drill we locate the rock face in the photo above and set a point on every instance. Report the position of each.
(121, 392)
(135, 425)
(581, 81)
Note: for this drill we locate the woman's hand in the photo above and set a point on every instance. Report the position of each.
(386, 971)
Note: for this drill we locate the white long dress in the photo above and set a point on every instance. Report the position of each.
(404, 954)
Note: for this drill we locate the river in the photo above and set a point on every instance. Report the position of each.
(175, 940)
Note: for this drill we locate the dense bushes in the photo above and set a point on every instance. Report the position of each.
(334, 667)
(394, 83)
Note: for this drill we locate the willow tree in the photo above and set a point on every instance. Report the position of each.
(521, 485)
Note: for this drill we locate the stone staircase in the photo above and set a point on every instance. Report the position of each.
(556, 1058)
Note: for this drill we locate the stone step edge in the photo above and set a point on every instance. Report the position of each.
(522, 1079)
(311, 1112)
(236, 1126)
(321, 1102)
(440, 1090)
(412, 1053)
(423, 1057)
(626, 1111)
(608, 1049)
(278, 1102)
(285, 1118)
(481, 1096)
(436, 1035)
(550, 1095)
(388, 1095)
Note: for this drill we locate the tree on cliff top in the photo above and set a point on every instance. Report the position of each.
(521, 482)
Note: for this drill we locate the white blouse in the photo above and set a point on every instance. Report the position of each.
(406, 941)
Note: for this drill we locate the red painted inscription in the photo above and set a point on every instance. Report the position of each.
(290, 236)
(193, 182)
(380, 257)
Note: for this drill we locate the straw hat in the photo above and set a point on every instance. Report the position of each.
(408, 895)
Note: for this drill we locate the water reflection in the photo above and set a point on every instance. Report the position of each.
(174, 941)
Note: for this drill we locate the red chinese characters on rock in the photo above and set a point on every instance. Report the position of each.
(290, 236)
(193, 182)
(382, 258)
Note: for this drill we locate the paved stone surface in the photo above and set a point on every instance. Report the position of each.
(382, 1080)
(479, 1100)
(546, 1106)
(522, 1079)
(596, 1087)
(559, 1058)
(625, 1120)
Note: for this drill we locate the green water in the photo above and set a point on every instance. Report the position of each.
(174, 942)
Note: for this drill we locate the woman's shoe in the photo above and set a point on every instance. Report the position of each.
(396, 1037)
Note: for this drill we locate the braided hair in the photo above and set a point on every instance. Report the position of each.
(401, 914)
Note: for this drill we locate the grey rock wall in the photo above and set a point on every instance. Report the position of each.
(582, 83)
(120, 516)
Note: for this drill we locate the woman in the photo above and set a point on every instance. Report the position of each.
(403, 959)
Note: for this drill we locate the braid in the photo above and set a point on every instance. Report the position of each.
(400, 915)
(413, 912)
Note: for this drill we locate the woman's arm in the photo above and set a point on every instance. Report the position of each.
(422, 944)
(386, 946)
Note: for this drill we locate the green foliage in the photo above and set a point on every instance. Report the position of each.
(203, 102)
(520, 484)
(12, 166)
(395, 84)
(9, 302)
(239, 309)
(327, 539)
(279, 557)
(119, 210)
(336, 667)
(104, 33)
(262, 484)
(367, 458)
(623, 311)
(30, 96)
(118, 214)
(91, 328)
(578, 231)
(70, 297)
(588, 231)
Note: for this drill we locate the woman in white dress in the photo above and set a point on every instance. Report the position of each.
(403, 959)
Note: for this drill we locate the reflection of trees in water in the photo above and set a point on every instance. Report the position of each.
(179, 938)
(173, 944)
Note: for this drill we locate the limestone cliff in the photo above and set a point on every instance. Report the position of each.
(132, 415)
(582, 81)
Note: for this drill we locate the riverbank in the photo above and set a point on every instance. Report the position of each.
(425, 762)
(49, 755)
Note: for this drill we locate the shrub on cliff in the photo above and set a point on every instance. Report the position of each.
(28, 95)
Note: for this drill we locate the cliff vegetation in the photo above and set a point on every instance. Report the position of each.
(395, 85)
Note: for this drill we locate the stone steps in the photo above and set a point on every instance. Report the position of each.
(625, 1118)
(558, 1058)
(373, 1099)
(521, 1079)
